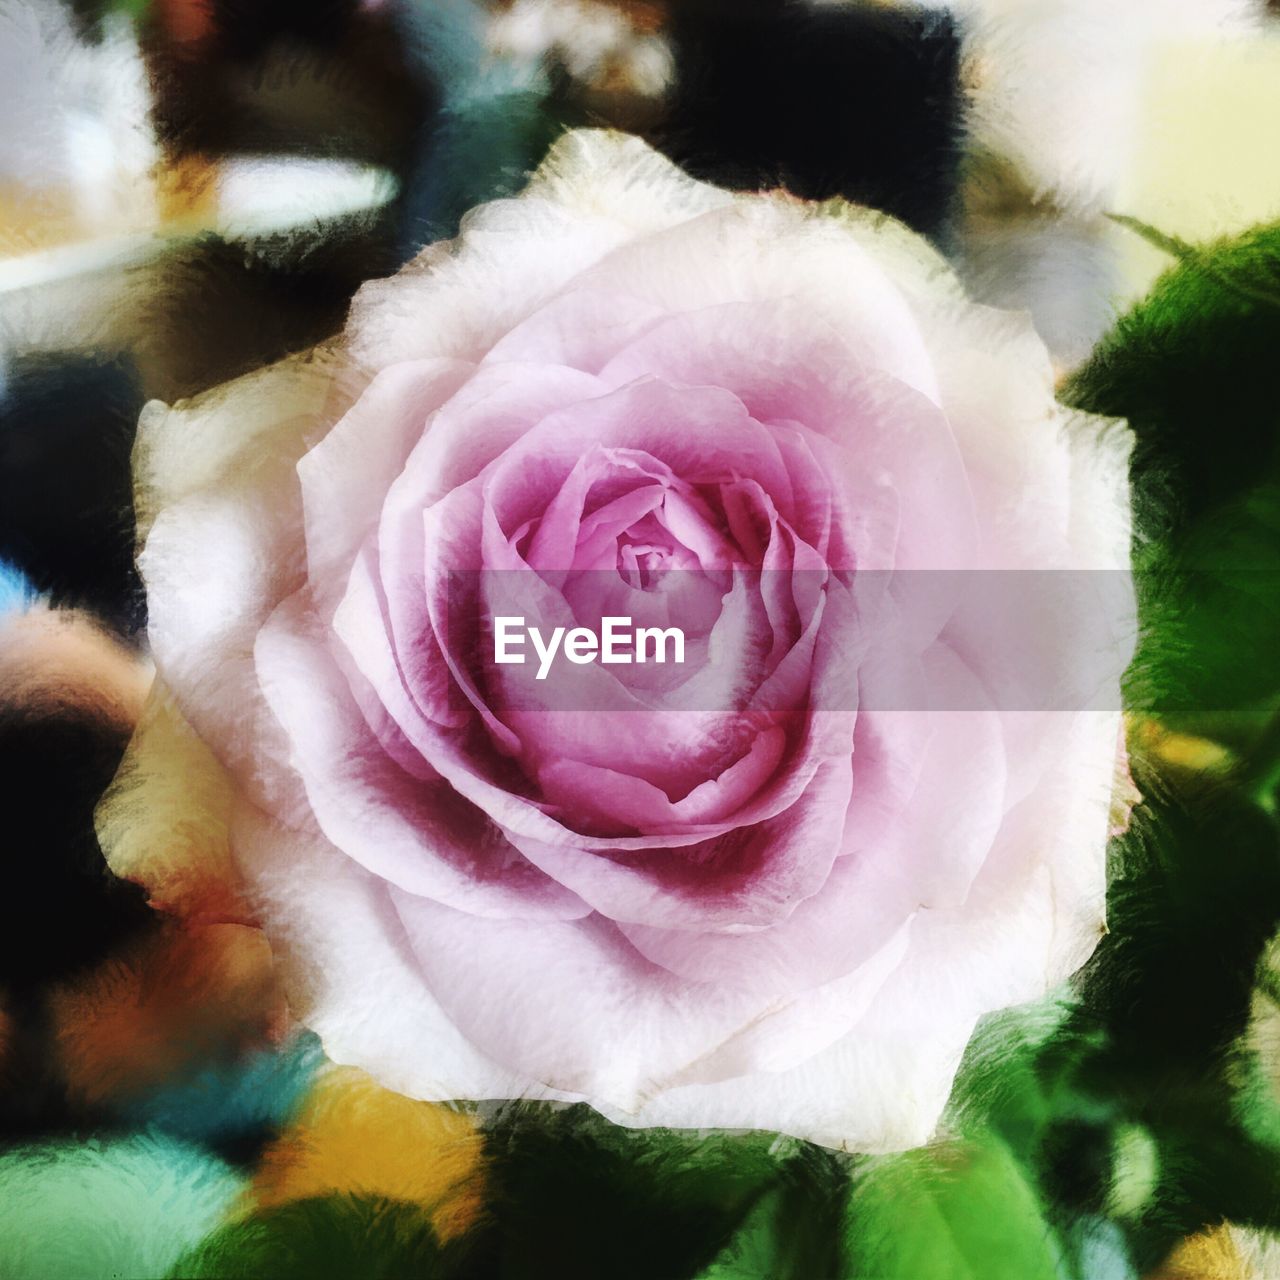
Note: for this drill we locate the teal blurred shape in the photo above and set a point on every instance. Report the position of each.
(120, 1207)
(228, 1105)
(16, 593)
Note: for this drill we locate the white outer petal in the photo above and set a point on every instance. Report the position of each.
(594, 192)
(883, 1087)
(348, 971)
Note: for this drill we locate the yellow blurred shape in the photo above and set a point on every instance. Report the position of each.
(1205, 164)
(1183, 750)
(354, 1137)
(1226, 1252)
(187, 190)
(1211, 1255)
(163, 821)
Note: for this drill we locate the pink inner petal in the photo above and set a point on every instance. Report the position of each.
(422, 837)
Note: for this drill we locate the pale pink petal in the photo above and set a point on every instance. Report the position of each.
(423, 837)
(350, 973)
(928, 849)
(495, 408)
(220, 510)
(606, 796)
(582, 329)
(783, 258)
(866, 431)
(631, 1030)
(743, 879)
(345, 478)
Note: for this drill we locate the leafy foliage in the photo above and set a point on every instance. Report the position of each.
(572, 1195)
(1193, 370)
(961, 1211)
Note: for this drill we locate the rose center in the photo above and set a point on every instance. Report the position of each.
(640, 563)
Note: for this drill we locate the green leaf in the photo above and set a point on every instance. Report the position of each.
(755, 1248)
(1122, 1102)
(1193, 369)
(1026, 1080)
(1193, 898)
(781, 1238)
(1018, 1077)
(961, 1211)
(1210, 607)
(331, 1238)
(574, 1195)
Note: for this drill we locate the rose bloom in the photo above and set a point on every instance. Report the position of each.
(772, 887)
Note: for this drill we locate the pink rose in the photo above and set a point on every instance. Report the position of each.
(773, 885)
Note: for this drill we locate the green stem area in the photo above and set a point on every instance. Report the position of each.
(1260, 766)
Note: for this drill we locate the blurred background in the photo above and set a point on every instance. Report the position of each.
(190, 189)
